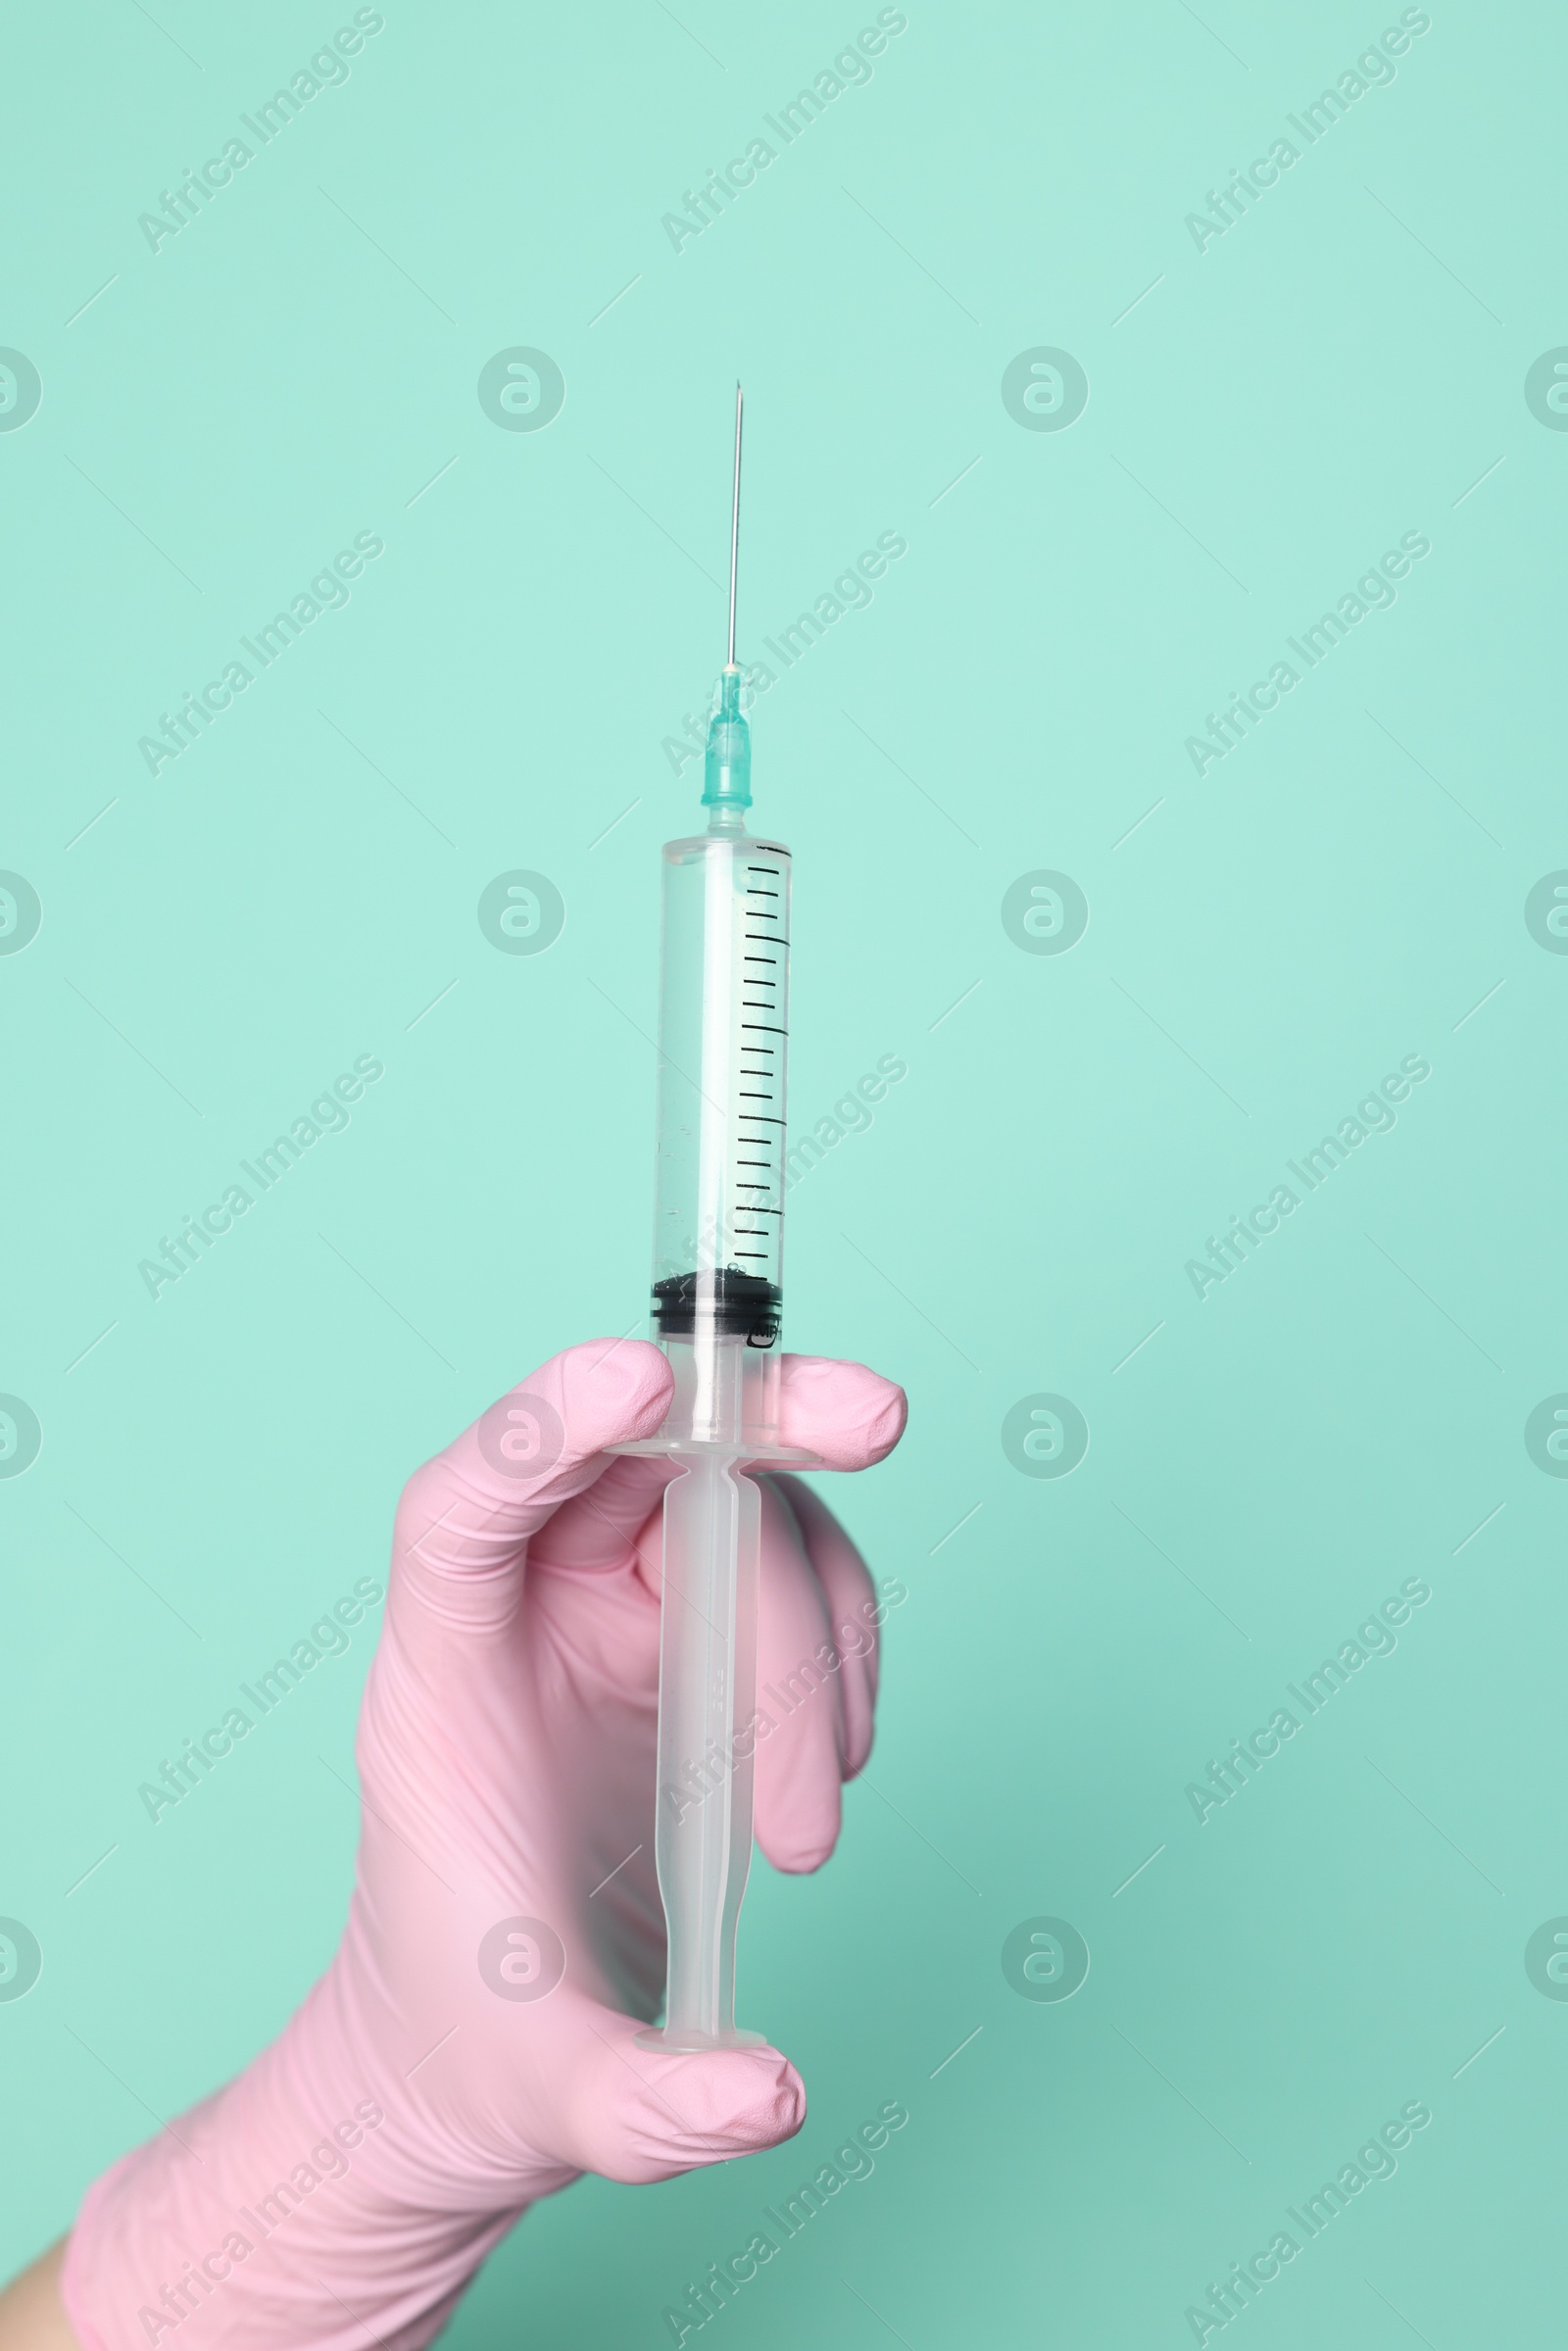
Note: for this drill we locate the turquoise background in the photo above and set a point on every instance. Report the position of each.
(1345, 888)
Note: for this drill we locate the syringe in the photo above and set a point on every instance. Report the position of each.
(718, 1243)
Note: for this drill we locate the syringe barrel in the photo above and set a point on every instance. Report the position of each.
(718, 1218)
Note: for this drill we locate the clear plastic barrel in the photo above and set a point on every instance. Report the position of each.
(718, 1216)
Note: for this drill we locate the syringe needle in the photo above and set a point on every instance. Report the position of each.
(734, 529)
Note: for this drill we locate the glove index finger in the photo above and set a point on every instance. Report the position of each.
(464, 1519)
(849, 1415)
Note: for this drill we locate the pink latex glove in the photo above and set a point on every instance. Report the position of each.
(411, 2110)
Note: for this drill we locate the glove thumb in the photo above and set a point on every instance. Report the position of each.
(640, 2115)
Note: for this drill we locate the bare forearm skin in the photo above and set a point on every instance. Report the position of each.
(31, 2314)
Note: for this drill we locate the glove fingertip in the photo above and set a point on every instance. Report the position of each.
(613, 1389)
(687, 2109)
(845, 1411)
(799, 1837)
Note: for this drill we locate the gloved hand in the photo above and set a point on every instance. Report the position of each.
(357, 2173)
